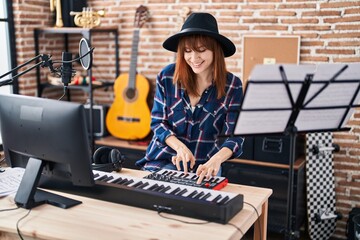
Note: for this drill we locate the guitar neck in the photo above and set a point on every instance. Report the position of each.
(133, 62)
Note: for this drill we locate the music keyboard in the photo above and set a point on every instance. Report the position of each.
(189, 201)
(188, 179)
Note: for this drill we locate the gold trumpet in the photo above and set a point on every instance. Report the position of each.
(87, 18)
(56, 4)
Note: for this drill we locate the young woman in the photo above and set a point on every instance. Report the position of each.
(196, 101)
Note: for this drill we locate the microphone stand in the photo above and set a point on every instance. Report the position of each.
(45, 62)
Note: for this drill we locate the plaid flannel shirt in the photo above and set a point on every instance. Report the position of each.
(200, 129)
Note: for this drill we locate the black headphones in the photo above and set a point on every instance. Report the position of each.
(108, 159)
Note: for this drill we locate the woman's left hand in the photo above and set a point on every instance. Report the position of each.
(212, 167)
(208, 170)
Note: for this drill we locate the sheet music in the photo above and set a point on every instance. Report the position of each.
(335, 94)
(10, 180)
(324, 72)
(319, 119)
(260, 96)
(253, 122)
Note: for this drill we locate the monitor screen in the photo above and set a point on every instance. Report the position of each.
(46, 137)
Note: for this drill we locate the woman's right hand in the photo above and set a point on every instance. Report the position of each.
(183, 154)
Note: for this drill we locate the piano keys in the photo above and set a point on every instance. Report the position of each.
(188, 179)
(190, 201)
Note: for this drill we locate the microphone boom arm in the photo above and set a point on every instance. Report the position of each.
(47, 62)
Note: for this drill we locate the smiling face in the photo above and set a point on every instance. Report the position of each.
(200, 59)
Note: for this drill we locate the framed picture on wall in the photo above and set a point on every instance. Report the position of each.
(268, 50)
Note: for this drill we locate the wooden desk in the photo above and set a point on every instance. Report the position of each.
(96, 219)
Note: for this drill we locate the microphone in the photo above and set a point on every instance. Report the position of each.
(85, 57)
(66, 71)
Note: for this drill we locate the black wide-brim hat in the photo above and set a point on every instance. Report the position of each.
(202, 24)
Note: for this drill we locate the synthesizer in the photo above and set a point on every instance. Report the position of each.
(188, 179)
(189, 201)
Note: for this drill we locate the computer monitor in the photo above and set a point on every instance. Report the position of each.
(48, 138)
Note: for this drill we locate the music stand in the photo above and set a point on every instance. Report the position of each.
(290, 99)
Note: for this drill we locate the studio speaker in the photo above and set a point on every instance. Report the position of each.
(99, 114)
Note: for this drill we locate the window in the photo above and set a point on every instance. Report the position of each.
(7, 49)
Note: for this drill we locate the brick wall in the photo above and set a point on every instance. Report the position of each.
(329, 30)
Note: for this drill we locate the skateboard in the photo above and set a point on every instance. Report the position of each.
(320, 185)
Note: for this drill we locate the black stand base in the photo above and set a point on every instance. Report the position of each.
(44, 197)
(28, 196)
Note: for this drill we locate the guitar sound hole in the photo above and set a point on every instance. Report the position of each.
(130, 93)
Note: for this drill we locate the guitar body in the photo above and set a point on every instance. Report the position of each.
(129, 115)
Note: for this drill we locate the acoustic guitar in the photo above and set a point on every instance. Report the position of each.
(129, 115)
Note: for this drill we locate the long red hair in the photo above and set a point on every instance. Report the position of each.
(183, 72)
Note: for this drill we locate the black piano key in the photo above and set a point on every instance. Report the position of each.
(181, 192)
(199, 195)
(153, 186)
(143, 185)
(102, 178)
(224, 200)
(157, 189)
(128, 182)
(206, 196)
(217, 198)
(96, 175)
(117, 180)
(165, 189)
(192, 194)
(123, 181)
(109, 178)
(175, 190)
(138, 184)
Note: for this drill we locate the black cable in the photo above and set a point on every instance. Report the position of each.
(258, 216)
(237, 228)
(2, 159)
(17, 224)
(231, 224)
(65, 90)
(8, 209)
(76, 59)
